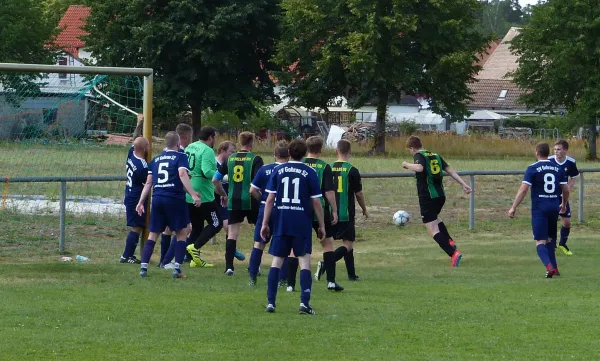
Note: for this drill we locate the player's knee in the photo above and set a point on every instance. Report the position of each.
(259, 245)
(304, 261)
(349, 245)
(137, 229)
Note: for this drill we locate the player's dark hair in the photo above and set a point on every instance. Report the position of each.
(314, 144)
(282, 150)
(207, 132)
(297, 149)
(246, 138)
(414, 142)
(543, 149)
(563, 143)
(183, 129)
(224, 146)
(343, 146)
(171, 140)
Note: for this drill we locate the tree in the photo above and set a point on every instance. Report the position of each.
(205, 54)
(498, 16)
(378, 51)
(55, 9)
(558, 60)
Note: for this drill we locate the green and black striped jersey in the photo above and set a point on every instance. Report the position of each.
(325, 176)
(241, 167)
(430, 180)
(347, 182)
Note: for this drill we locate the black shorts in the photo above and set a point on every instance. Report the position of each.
(344, 231)
(431, 208)
(207, 212)
(236, 216)
(329, 231)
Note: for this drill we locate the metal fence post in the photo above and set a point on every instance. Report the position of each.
(62, 214)
(580, 211)
(472, 203)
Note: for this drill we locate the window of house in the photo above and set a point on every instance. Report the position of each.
(62, 61)
(503, 94)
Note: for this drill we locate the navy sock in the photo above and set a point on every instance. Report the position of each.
(147, 251)
(272, 284)
(254, 264)
(165, 241)
(130, 243)
(542, 252)
(171, 252)
(283, 274)
(179, 251)
(305, 286)
(292, 271)
(340, 252)
(564, 235)
(551, 247)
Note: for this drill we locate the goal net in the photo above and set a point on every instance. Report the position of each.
(57, 125)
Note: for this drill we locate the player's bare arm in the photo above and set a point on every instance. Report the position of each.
(185, 180)
(452, 173)
(265, 232)
(360, 198)
(521, 193)
(417, 168)
(565, 197)
(140, 206)
(572, 183)
(138, 129)
(319, 212)
(255, 193)
(330, 195)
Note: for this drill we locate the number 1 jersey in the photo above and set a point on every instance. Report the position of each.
(295, 184)
(545, 178)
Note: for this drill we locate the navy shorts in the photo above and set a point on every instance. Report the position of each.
(543, 224)
(133, 218)
(281, 246)
(171, 212)
(568, 214)
(222, 211)
(259, 220)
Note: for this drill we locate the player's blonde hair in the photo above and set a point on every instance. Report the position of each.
(246, 138)
(343, 147)
(224, 146)
(314, 144)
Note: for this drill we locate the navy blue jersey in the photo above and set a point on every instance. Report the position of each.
(295, 185)
(568, 166)
(181, 149)
(165, 174)
(545, 178)
(137, 172)
(225, 183)
(261, 179)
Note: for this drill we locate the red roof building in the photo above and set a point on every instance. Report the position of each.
(71, 29)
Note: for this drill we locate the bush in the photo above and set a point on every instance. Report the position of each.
(408, 128)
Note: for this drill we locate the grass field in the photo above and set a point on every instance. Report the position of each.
(409, 305)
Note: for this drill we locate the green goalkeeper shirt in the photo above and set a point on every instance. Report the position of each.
(203, 166)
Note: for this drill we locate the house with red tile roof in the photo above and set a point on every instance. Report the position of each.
(71, 31)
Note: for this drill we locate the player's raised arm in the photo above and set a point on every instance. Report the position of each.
(140, 206)
(138, 129)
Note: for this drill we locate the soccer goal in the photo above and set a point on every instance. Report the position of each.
(68, 125)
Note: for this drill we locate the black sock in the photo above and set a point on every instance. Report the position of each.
(564, 235)
(329, 263)
(340, 252)
(230, 246)
(443, 229)
(292, 270)
(444, 241)
(349, 259)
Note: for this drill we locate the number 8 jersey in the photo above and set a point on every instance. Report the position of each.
(429, 181)
(545, 178)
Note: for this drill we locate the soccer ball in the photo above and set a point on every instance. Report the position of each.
(225, 179)
(401, 218)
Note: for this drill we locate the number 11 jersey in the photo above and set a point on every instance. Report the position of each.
(295, 184)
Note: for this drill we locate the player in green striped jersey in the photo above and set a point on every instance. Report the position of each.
(241, 167)
(428, 169)
(348, 185)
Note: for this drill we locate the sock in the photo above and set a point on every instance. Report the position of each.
(272, 284)
(171, 251)
(130, 243)
(444, 230)
(564, 235)
(283, 273)
(165, 241)
(329, 263)
(340, 252)
(254, 262)
(292, 270)
(179, 252)
(230, 246)
(147, 251)
(305, 286)
(551, 247)
(349, 259)
(542, 252)
(444, 242)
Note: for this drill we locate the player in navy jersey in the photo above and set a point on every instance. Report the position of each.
(137, 172)
(257, 190)
(168, 177)
(294, 198)
(547, 180)
(567, 163)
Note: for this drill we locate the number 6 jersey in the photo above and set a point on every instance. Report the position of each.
(429, 181)
(137, 172)
(545, 178)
